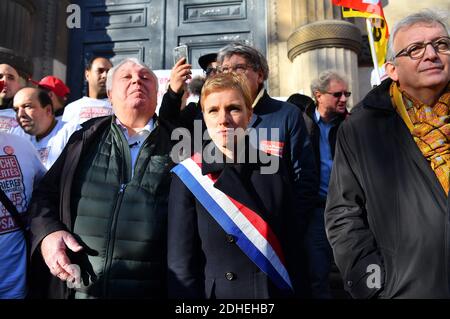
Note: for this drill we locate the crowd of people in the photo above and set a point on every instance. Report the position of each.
(266, 199)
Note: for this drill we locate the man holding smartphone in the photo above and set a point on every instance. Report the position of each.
(171, 104)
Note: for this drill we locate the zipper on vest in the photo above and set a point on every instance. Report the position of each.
(143, 146)
(111, 239)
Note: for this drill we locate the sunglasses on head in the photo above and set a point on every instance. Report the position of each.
(339, 94)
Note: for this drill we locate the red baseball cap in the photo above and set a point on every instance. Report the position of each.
(54, 84)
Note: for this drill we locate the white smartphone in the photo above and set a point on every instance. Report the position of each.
(180, 52)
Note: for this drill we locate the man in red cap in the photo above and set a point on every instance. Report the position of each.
(57, 91)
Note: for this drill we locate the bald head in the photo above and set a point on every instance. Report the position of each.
(11, 78)
(34, 111)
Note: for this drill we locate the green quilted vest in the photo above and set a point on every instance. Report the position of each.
(123, 219)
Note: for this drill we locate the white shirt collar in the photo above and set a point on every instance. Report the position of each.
(140, 136)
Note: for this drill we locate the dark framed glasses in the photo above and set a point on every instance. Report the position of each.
(238, 68)
(339, 94)
(417, 50)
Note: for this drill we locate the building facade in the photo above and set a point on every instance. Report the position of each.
(299, 37)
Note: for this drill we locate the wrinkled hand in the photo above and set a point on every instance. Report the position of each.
(179, 74)
(53, 249)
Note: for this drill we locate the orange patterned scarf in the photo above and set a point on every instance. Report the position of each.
(430, 128)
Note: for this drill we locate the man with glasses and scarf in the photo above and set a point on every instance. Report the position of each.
(330, 92)
(280, 131)
(387, 209)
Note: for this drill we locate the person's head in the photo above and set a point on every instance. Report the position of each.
(12, 84)
(195, 85)
(34, 111)
(132, 88)
(418, 56)
(56, 89)
(300, 100)
(208, 63)
(244, 59)
(95, 73)
(227, 106)
(330, 91)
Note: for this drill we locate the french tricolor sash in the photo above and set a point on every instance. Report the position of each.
(253, 235)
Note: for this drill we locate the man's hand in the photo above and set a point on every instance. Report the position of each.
(179, 74)
(53, 249)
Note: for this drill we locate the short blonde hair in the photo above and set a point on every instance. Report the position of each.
(224, 81)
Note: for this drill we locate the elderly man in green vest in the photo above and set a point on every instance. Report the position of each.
(100, 212)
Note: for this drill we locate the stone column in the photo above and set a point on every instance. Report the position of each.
(322, 41)
(16, 17)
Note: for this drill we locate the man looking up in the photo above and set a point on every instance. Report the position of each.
(103, 205)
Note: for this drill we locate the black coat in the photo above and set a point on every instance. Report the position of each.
(204, 261)
(170, 111)
(386, 207)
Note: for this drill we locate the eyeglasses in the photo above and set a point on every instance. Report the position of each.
(210, 71)
(417, 50)
(339, 94)
(238, 68)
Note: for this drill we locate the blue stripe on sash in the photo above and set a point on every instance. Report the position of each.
(229, 226)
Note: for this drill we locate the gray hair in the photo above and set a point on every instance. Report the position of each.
(322, 83)
(196, 84)
(113, 70)
(426, 16)
(253, 56)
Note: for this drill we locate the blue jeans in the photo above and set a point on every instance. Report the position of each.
(320, 255)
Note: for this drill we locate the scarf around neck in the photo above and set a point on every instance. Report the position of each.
(430, 127)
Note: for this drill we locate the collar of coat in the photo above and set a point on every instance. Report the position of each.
(216, 167)
(378, 98)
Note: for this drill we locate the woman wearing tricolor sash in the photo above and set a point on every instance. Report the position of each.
(232, 229)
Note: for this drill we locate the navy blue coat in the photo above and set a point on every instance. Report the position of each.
(297, 149)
